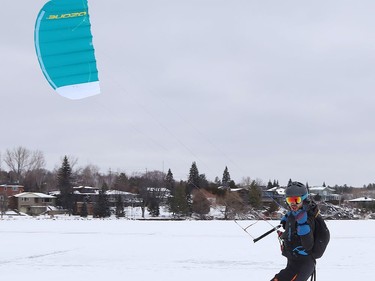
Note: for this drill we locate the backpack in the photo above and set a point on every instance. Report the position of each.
(321, 237)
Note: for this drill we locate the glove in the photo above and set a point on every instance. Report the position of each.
(303, 227)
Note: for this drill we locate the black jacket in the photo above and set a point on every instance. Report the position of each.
(297, 246)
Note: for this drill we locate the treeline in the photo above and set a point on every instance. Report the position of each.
(27, 168)
(154, 189)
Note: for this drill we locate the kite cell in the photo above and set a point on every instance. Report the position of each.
(63, 43)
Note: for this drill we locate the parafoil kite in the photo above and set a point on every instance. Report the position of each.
(63, 43)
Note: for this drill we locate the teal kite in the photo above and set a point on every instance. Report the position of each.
(63, 43)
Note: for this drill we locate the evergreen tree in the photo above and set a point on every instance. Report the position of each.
(122, 182)
(273, 207)
(170, 185)
(255, 196)
(102, 209)
(64, 184)
(179, 204)
(269, 184)
(169, 181)
(203, 182)
(232, 184)
(105, 187)
(153, 206)
(194, 178)
(120, 213)
(226, 177)
(193, 183)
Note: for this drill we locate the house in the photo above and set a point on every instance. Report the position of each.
(243, 193)
(128, 198)
(10, 189)
(6, 191)
(81, 193)
(322, 193)
(85, 194)
(363, 202)
(161, 193)
(274, 194)
(31, 203)
(89, 195)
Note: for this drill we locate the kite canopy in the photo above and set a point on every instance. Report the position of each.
(64, 47)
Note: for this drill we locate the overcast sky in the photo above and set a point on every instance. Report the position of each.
(271, 89)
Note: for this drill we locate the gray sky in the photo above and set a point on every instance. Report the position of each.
(271, 89)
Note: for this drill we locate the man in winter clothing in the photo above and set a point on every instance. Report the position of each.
(298, 238)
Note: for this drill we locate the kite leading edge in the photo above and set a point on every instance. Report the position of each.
(63, 43)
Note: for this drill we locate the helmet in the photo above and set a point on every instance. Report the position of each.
(296, 188)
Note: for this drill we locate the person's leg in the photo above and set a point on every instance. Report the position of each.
(305, 270)
(286, 274)
(296, 271)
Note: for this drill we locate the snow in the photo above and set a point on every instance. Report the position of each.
(320, 188)
(362, 199)
(33, 195)
(68, 248)
(279, 190)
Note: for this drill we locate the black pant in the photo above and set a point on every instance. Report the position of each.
(297, 270)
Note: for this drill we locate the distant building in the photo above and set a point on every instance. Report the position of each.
(243, 192)
(6, 191)
(318, 193)
(324, 194)
(128, 198)
(89, 195)
(274, 194)
(161, 193)
(11, 189)
(363, 202)
(31, 203)
(85, 194)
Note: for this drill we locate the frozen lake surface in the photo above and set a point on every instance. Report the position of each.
(75, 249)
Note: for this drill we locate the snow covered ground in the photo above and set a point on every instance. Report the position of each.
(77, 249)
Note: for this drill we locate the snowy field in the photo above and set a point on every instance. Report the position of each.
(76, 249)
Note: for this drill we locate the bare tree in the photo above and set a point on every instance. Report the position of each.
(246, 181)
(89, 176)
(26, 164)
(17, 160)
(233, 205)
(201, 205)
(36, 170)
(21, 161)
(37, 160)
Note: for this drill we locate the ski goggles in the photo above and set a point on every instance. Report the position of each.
(295, 199)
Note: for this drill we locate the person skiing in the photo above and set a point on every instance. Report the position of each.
(297, 240)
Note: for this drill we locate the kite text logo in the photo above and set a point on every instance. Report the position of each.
(67, 16)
